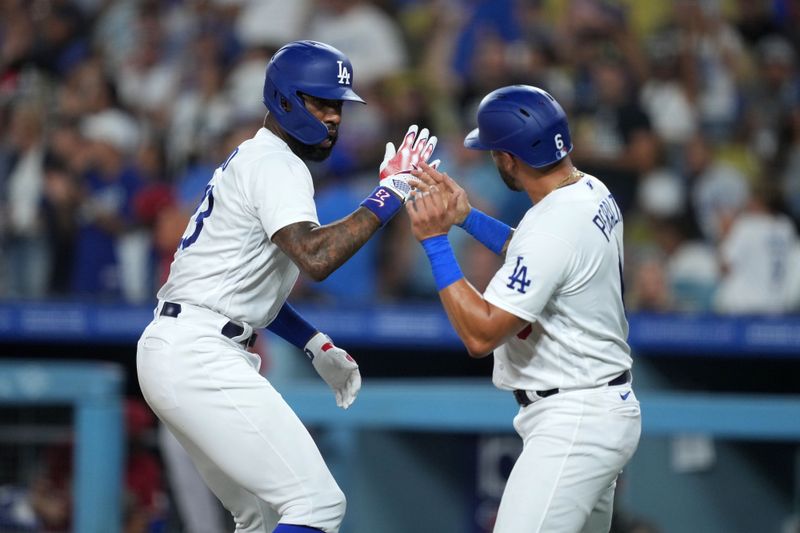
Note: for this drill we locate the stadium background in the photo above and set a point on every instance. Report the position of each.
(114, 113)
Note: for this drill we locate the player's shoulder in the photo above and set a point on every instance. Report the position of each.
(267, 156)
(568, 212)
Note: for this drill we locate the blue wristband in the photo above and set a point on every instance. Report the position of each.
(291, 327)
(487, 230)
(384, 203)
(443, 262)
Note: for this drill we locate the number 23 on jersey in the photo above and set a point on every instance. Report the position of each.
(204, 209)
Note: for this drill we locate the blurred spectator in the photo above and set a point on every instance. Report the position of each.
(484, 22)
(145, 504)
(690, 265)
(201, 112)
(272, 23)
(61, 41)
(244, 84)
(755, 20)
(110, 181)
(676, 105)
(789, 174)
(61, 202)
(717, 188)
(715, 63)
(612, 135)
(758, 247)
(17, 37)
(664, 95)
(148, 79)
(137, 258)
(86, 89)
(21, 218)
(50, 493)
(115, 33)
(367, 34)
(650, 291)
(772, 96)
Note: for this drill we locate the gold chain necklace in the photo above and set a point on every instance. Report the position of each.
(571, 178)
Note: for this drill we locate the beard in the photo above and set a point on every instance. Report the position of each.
(313, 152)
(509, 180)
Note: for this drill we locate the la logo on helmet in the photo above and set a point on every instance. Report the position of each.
(344, 74)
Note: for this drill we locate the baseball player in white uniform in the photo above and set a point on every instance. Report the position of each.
(553, 314)
(242, 251)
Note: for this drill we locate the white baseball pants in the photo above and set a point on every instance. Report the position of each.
(249, 446)
(575, 443)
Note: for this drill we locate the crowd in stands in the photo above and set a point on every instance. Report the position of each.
(115, 113)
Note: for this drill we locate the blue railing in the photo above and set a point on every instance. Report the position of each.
(404, 326)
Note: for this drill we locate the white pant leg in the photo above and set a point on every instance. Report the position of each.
(599, 520)
(574, 446)
(252, 514)
(198, 508)
(244, 439)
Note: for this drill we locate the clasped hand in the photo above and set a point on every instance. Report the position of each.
(416, 148)
(436, 203)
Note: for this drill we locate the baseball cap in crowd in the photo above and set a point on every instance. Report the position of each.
(113, 127)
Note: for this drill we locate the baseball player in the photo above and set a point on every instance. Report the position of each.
(254, 230)
(552, 315)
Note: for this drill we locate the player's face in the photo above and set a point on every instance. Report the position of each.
(502, 162)
(329, 112)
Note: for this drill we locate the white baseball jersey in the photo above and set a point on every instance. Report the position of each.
(758, 253)
(226, 261)
(562, 273)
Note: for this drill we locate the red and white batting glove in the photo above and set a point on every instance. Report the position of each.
(393, 188)
(413, 149)
(336, 367)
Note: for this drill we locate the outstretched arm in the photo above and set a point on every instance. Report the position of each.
(319, 250)
(481, 326)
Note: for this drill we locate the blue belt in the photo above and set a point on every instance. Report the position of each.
(230, 329)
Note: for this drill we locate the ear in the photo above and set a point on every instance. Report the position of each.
(505, 160)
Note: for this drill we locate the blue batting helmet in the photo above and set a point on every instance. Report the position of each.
(524, 121)
(312, 68)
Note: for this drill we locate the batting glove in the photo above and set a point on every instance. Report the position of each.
(336, 367)
(393, 188)
(413, 149)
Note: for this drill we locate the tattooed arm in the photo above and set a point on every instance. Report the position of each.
(319, 250)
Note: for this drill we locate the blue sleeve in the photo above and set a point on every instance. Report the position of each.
(291, 327)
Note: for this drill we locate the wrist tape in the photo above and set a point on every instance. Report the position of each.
(384, 203)
(487, 230)
(443, 262)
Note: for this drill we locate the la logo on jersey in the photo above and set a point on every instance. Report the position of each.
(344, 74)
(520, 275)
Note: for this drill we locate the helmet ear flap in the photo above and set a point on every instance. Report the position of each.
(285, 104)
